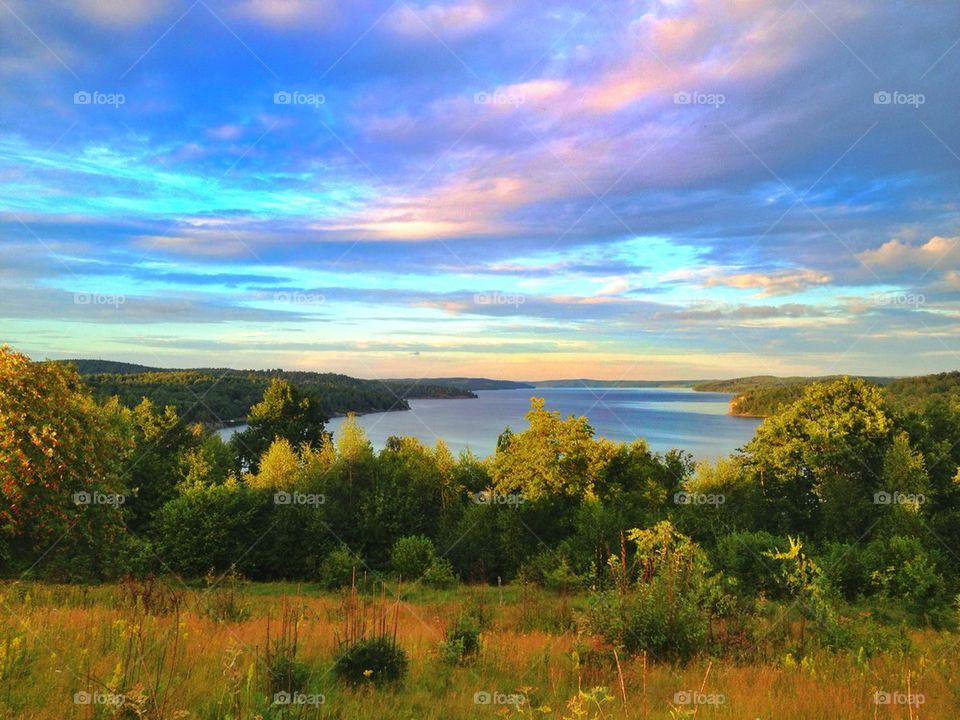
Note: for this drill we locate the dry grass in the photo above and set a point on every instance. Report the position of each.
(56, 641)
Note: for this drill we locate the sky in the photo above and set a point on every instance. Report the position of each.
(657, 189)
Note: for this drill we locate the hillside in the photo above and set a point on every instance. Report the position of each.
(223, 395)
(583, 382)
(466, 383)
(763, 395)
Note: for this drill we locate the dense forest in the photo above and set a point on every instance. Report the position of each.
(217, 396)
(764, 395)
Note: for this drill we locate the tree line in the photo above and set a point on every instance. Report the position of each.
(857, 497)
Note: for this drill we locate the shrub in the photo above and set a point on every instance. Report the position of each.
(901, 568)
(461, 641)
(412, 555)
(550, 570)
(534, 569)
(338, 568)
(439, 575)
(562, 579)
(668, 610)
(222, 600)
(376, 660)
(742, 556)
(898, 568)
(846, 570)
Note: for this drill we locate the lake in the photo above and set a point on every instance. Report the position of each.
(667, 417)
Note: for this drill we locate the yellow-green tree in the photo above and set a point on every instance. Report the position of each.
(552, 457)
(62, 457)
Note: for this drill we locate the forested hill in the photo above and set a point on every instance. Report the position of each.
(223, 395)
(587, 383)
(467, 383)
(763, 395)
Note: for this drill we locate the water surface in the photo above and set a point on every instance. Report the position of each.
(667, 417)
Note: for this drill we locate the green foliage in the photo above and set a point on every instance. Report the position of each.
(746, 557)
(667, 610)
(461, 641)
(229, 394)
(820, 458)
(722, 497)
(212, 527)
(285, 413)
(439, 575)
(340, 568)
(376, 661)
(60, 454)
(552, 457)
(412, 555)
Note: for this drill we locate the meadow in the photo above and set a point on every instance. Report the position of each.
(161, 649)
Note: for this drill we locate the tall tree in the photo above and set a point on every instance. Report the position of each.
(285, 412)
(820, 459)
(62, 460)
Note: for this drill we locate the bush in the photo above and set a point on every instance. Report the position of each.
(898, 568)
(439, 575)
(412, 555)
(339, 568)
(285, 673)
(462, 641)
(741, 556)
(377, 661)
(562, 579)
(667, 611)
(550, 570)
(901, 568)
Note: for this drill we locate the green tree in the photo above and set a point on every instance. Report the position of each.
(820, 460)
(552, 456)
(161, 439)
(285, 412)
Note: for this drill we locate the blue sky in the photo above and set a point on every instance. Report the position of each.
(656, 189)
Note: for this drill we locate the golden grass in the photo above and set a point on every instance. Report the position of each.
(56, 641)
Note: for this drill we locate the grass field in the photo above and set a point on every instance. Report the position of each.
(168, 651)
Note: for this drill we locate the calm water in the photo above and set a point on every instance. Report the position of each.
(667, 418)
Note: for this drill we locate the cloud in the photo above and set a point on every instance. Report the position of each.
(451, 20)
(786, 282)
(119, 14)
(937, 252)
(288, 13)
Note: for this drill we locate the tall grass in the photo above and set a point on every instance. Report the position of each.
(169, 658)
